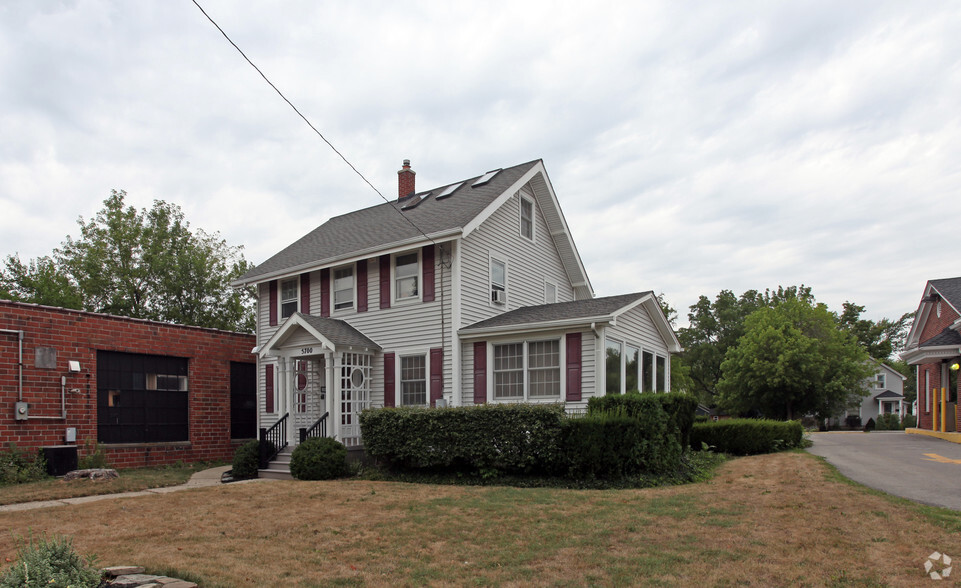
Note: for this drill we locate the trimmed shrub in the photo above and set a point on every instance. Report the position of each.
(50, 562)
(616, 444)
(888, 422)
(319, 458)
(870, 425)
(909, 421)
(246, 461)
(748, 436)
(490, 439)
(680, 409)
(18, 466)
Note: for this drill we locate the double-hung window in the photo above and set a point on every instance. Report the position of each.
(880, 381)
(413, 380)
(289, 292)
(527, 371)
(498, 281)
(344, 287)
(527, 218)
(406, 270)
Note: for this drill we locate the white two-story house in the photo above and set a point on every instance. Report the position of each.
(467, 293)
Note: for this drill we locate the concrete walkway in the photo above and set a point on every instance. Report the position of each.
(210, 477)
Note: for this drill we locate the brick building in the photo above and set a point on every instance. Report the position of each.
(150, 393)
(934, 347)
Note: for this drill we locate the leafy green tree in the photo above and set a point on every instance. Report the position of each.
(793, 360)
(139, 263)
(881, 339)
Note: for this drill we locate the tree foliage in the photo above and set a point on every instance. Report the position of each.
(882, 338)
(139, 263)
(792, 360)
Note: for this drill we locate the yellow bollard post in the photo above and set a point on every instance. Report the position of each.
(944, 410)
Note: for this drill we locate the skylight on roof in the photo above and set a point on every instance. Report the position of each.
(449, 190)
(415, 200)
(485, 178)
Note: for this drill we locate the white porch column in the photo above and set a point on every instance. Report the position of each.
(333, 393)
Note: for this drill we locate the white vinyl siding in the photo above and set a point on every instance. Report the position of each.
(531, 264)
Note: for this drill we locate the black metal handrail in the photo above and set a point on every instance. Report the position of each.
(273, 441)
(318, 429)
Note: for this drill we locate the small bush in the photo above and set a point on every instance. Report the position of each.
(18, 466)
(870, 425)
(888, 422)
(94, 456)
(909, 421)
(852, 421)
(748, 436)
(319, 458)
(52, 562)
(246, 461)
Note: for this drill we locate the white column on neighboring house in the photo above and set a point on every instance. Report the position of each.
(333, 393)
(456, 358)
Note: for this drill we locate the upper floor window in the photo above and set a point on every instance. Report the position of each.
(527, 218)
(344, 287)
(880, 381)
(289, 293)
(550, 293)
(406, 270)
(498, 281)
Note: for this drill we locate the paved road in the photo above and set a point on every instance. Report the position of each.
(915, 467)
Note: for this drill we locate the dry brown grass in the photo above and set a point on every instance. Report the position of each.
(776, 520)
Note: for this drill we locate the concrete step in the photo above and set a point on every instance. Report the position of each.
(275, 474)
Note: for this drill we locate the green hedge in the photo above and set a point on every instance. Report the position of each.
(748, 436)
(617, 444)
(680, 409)
(490, 438)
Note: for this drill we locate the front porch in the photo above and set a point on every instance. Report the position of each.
(322, 383)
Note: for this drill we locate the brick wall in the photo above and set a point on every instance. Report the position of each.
(77, 336)
(933, 326)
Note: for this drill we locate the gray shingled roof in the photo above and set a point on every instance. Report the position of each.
(560, 311)
(338, 332)
(381, 226)
(945, 337)
(888, 394)
(950, 290)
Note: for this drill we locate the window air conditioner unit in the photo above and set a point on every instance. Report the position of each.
(499, 296)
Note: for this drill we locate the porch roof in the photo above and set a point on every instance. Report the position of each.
(333, 334)
(888, 395)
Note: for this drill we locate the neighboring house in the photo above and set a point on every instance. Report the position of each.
(149, 393)
(934, 347)
(467, 293)
(885, 395)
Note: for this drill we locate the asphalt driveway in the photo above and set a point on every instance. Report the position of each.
(919, 468)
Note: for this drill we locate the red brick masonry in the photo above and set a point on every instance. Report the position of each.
(77, 336)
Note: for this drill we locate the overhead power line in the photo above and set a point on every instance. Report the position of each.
(306, 120)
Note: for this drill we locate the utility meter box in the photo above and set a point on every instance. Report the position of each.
(70, 436)
(21, 411)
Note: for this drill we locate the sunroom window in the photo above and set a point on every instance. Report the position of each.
(527, 371)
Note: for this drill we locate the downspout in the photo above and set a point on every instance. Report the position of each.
(19, 361)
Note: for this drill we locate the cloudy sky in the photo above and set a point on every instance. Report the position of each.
(694, 147)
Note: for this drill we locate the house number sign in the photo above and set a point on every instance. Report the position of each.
(306, 350)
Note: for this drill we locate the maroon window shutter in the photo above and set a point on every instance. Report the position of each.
(272, 311)
(385, 281)
(325, 292)
(436, 375)
(362, 285)
(573, 367)
(389, 388)
(305, 293)
(269, 389)
(427, 259)
(480, 372)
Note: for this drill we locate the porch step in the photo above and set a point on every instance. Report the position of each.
(279, 467)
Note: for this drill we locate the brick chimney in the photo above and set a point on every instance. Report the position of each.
(405, 180)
